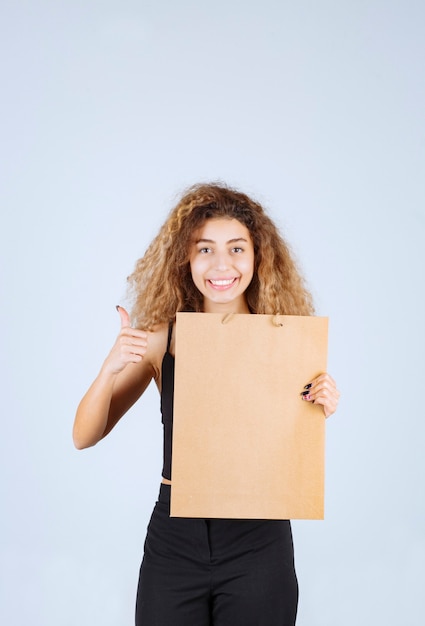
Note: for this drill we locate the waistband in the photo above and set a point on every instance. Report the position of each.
(164, 493)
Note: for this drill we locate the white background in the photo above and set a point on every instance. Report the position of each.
(108, 110)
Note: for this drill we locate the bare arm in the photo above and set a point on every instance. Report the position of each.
(124, 376)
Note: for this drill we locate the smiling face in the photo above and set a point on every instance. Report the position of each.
(222, 264)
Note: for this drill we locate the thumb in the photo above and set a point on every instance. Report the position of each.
(125, 318)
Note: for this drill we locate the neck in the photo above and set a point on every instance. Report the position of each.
(226, 308)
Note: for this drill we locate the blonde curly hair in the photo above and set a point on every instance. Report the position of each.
(161, 283)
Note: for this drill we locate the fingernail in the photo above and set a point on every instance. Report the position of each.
(308, 386)
(304, 393)
(117, 307)
(306, 397)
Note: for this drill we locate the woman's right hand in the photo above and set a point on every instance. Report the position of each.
(114, 390)
(130, 345)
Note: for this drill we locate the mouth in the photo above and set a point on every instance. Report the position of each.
(222, 283)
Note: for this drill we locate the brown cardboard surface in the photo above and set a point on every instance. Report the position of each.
(244, 443)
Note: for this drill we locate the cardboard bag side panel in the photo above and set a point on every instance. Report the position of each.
(244, 443)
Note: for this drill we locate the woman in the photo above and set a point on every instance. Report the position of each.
(218, 252)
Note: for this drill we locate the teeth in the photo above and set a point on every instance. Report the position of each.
(221, 283)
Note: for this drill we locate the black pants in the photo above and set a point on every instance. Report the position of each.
(198, 572)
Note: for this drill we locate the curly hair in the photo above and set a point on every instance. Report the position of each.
(161, 283)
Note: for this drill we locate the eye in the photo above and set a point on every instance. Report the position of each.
(204, 250)
(237, 250)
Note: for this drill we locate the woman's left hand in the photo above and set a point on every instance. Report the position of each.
(322, 390)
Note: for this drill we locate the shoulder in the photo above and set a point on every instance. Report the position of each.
(157, 340)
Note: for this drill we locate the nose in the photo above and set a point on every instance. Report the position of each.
(221, 261)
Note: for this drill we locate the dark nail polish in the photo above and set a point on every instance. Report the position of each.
(308, 386)
(304, 393)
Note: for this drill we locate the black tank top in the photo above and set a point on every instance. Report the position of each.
(167, 397)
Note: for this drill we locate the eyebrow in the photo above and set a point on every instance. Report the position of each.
(236, 239)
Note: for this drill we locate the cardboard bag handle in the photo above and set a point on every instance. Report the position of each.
(275, 320)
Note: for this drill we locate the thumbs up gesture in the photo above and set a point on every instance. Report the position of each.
(130, 345)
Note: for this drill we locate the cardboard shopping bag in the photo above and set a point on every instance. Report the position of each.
(244, 443)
